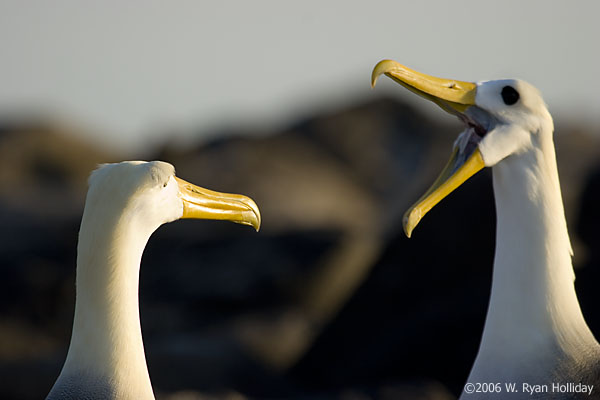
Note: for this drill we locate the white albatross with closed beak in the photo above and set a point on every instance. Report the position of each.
(125, 204)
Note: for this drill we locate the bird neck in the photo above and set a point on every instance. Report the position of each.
(106, 343)
(533, 316)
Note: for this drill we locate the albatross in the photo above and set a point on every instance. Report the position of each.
(125, 204)
(535, 338)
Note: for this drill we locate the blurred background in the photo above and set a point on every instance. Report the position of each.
(272, 99)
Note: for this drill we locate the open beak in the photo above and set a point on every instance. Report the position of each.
(202, 203)
(454, 97)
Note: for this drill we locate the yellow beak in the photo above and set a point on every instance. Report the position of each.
(200, 203)
(450, 94)
(454, 97)
(449, 179)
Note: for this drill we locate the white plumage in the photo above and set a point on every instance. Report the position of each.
(126, 203)
(535, 333)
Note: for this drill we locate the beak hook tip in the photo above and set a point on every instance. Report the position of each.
(410, 221)
(374, 80)
(380, 68)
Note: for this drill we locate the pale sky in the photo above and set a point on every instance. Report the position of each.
(129, 69)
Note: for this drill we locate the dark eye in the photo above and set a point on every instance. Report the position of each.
(509, 95)
(165, 184)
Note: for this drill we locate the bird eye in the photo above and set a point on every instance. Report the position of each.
(165, 184)
(509, 95)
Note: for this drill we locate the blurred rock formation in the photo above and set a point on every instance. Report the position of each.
(328, 301)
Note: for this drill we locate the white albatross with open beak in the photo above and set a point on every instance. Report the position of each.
(535, 333)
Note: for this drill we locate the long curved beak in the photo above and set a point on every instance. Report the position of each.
(453, 97)
(200, 203)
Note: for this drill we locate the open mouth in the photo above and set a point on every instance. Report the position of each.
(472, 124)
(468, 141)
(457, 98)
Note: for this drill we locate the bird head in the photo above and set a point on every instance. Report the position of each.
(502, 118)
(152, 192)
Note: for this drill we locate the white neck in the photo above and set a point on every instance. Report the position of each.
(106, 345)
(534, 318)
